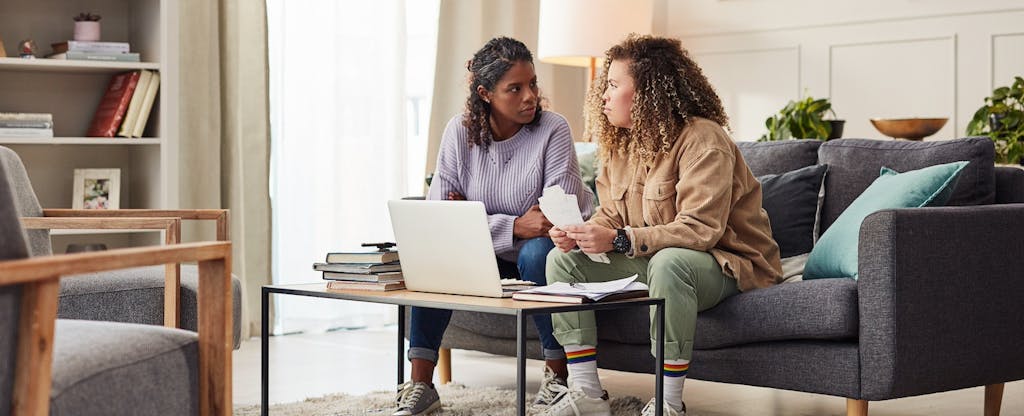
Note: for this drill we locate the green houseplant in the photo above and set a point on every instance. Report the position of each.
(803, 119)
(1002, 120)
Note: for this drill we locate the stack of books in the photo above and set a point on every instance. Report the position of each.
(375, 270)
(93, 51)
(125, 106)
(26, 125)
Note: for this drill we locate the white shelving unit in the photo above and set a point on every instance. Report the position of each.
(71, 91)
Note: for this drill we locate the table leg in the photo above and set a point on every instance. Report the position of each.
(401, 344)
(264, 353)
(521, 362)
(659, 376)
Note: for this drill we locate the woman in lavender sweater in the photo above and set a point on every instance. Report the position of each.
(503, 151)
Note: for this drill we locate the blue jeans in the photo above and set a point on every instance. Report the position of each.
(428, 325)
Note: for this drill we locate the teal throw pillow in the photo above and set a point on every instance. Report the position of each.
(835, 254)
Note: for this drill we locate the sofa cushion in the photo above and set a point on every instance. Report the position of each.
(836, 253)
(818, 309)
(773, 158)
(123, 369)
(854, 164)
(792, 202)
(136, 296)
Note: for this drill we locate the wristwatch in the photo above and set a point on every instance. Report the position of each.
(621, 242)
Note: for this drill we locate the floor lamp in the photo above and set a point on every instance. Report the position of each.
(577, 32)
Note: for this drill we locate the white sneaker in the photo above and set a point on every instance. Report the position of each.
(666, 409)
(577, 403)
(547, 393)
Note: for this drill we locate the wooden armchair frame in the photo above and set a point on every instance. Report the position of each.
(40, 277)
(138, 219)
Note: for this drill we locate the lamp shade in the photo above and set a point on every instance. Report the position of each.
(571, 32)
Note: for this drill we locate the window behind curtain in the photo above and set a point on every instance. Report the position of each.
(350, 90)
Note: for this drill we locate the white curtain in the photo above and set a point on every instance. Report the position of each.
(340, 142)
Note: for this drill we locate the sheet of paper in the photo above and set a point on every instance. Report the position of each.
(562, 209)
(594, 290)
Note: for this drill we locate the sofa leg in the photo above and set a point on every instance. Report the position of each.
(993, 399)
(856, 407)
(444, 365)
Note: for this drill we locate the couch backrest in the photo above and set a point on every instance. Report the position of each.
(855, 163)
(773, 158)
(1009, 185)
(12, 246)
(25, 200)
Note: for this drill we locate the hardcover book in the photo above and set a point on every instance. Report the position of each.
(363, 257)
(135, 104)
(585, 292)
(97, 56)
(147, 105)
(113, 105)
(345, 285)
(84, 46)
(370, 277)
(358, 268)
(541, 297)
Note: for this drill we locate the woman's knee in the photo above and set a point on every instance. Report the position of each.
(675, 265)
(535, 251)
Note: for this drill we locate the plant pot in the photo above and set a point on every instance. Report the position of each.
(87, 31)
(837, 129)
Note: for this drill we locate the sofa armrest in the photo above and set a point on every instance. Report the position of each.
(941, 299)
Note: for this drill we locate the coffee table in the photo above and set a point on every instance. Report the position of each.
(403, 298)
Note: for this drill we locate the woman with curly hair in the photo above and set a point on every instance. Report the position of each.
(503, 151)
(679, 208)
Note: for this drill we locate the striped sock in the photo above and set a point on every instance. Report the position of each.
(674, 376)
(582, 360)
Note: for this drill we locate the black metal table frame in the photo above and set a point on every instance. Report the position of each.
(520, 314)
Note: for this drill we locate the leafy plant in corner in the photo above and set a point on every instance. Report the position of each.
(1002, 120)
(802, 119)
(87, 17)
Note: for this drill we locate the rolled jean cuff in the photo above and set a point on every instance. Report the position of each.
(558, 354)
(423, 354)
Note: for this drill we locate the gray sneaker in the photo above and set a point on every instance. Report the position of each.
(416, 399)
(548, 389)
(666, 409)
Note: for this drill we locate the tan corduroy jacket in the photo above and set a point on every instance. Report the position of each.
(699, 195)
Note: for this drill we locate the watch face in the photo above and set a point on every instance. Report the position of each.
(621, 242)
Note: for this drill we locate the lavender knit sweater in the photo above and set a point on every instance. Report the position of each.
(508, 176)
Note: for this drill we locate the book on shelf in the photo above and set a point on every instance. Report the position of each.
(382, 286)
(87, 46)
(113, 105)
(562, 292)
(358, 268)
(131, 116)
(44, 117)
(369, 277)
(147, 105)
(26, 132)
(363, 257)
(97, 56)
(26, 124)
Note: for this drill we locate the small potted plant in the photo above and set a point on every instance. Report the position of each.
(87, 27)
(1002, 120)
(803, 119)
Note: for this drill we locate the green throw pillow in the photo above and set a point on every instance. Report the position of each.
(835, 254)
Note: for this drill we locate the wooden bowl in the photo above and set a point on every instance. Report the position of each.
(909, 128)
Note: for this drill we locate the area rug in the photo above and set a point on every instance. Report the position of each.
(458, 400)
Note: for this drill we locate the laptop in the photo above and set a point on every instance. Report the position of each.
(446, 247)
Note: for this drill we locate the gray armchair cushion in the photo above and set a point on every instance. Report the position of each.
(106, 368)
(854, 164)
(1009, 185)
(137, 296)
(773, 158)
(24, 200)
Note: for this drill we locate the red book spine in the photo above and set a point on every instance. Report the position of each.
(113, 105)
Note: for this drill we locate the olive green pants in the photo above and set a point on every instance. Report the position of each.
(689, 280)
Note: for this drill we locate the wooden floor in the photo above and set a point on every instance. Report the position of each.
(355, 362)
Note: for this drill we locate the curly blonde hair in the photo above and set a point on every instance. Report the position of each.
(670, 88)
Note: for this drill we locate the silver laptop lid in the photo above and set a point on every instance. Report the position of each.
(445, 247)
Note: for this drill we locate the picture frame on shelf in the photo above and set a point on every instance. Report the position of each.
(97, 189)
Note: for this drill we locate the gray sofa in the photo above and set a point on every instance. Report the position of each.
(130, 295)
(938, 306)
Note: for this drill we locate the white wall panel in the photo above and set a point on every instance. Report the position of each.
(894, 79)
(748, 92)
(1007, 58)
